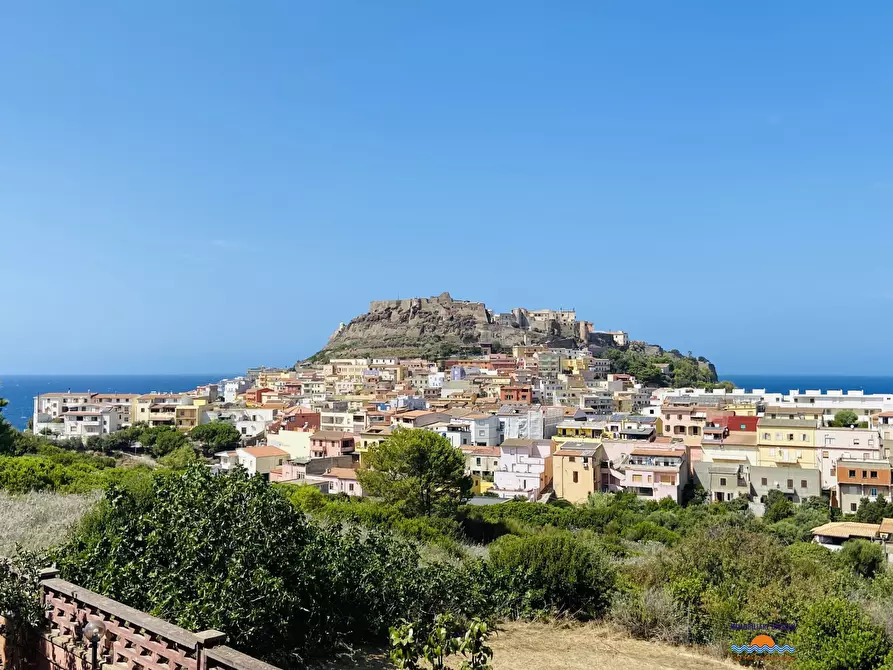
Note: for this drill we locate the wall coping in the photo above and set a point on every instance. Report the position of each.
(134, 616)
(236, 659)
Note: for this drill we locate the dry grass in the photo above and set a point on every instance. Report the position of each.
(39, 520)
(569, 646)
(543, 646)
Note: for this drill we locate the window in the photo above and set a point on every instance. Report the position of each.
(350, 487)
(722, 481)
(824, 454)
(571, 459)
(790, 483)
(855, 442)
(865, 456)
(802, 483)
(763, 481)
(778, 436)
(852, 473)
(790, 437)
(874, 474)
(852, 507)
(872, 492)
(833, 470)
(576, 477)
(804, 437)
(743, 426)
(771, 453)
(864, 474)
(767, 436)
(637, 478)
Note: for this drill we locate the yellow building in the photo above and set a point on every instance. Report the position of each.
(787, 442)
(187, 417)
(741, 408)
(576, 470)
(482, 463)
(371, 437)
(580, 431)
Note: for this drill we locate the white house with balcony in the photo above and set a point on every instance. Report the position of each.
(656, 472)
(92, 421)
(525, 468)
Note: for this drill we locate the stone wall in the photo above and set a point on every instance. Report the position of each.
(133, 639)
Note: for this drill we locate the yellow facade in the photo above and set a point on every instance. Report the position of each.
(576, 473)
(581, 433)
(787, 443)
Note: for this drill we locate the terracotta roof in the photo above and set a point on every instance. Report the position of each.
(264, 451)
(886, 526)
(341, 473)
(481, 451)
(845, 529)
(885, 414)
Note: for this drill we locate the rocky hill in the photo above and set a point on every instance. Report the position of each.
(441, 326)
(434, 327)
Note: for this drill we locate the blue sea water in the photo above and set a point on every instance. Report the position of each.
(785, 383)
(20, 390)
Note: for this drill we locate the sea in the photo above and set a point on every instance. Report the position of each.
(19, 390)
(790, 382)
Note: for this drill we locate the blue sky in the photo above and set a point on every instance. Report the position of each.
(210, 185)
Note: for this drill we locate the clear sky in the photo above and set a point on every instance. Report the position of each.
(191, 186)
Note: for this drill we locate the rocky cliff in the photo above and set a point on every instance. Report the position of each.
(434, 327)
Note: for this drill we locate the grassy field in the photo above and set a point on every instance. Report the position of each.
(558, 646)
(39, 520)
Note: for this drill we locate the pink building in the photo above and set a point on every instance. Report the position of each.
(331, 443)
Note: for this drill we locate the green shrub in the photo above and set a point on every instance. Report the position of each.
(650, 614)
(550, 571)
(862, 557)
(835, 635)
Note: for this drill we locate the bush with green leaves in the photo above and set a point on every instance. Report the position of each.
(863, 557)
(554, 571)
(411, 643)
(231, 552)
(835, 634)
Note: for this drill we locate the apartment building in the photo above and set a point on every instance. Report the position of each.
(857, 479)
(260, 460)
(529, 421)
(788, 442)
(585, 432)
(577, 471)
(834, 444)
(656, 472)
(331, 443)
(525, 468)
(481, 463)
(92, 420)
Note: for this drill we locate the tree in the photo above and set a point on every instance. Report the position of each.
(7, 433)
(862, 557)
(166, 440)
(216, 436)
(844, 418)
(780, 509)
(180, 458)
(418, 470)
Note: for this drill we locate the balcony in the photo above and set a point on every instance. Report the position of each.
(786, 457)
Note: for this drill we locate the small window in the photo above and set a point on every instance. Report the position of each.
(855, 442)
(802, 483)
(872, 492)
(804, 437)
(864, 474)
(350, 487)
(852, 507)
(865, 456)
(767, 436)
(763, 481)
(852, 473)
(576, 477)
(572, 459)
(722, 481)
(824, 454)
(743, 426)
(477, 461)
(790, 483)
(874, 474)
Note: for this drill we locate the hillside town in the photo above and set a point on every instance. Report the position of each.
(534, 424)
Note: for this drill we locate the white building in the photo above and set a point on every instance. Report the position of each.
(92, 421)
(525, 468)
(834, 444)
(256, 460)
(529, 421)
(233, 387)
(248, 421)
